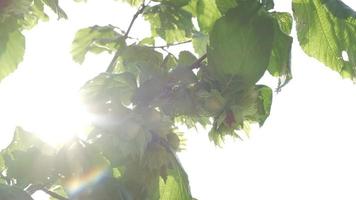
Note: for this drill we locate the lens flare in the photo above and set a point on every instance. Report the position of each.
(91, 178)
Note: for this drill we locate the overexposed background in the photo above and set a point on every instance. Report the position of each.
(305, 150)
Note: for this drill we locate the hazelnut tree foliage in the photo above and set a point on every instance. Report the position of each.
(146, 91)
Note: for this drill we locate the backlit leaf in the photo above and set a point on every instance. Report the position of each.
(241, 44)
(327, 31)
(94, 39)
(12, 48)
(171, 23)
(280, 61)
(207, 13)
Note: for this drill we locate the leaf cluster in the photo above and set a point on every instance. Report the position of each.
(147, 91)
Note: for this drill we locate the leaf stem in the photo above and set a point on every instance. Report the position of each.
(196, 64)
(118, 52)
(169, 45)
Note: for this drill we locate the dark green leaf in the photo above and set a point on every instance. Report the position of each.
(225, 5)
(30, 166)
(268, 4)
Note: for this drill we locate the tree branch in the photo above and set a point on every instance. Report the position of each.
(169, 45)
(196, 64)
(140, 10)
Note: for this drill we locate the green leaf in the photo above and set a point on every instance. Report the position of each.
(13, 193)
(207, 14)
(225, 5)
(173, 24)
(14, 9)
(149, 91)
(30, 166)
(176, 187)
(264, 103)
(200, 43)
(268, 4)
(24, 140)
(147, 41)
(280, 61)
(135, 3)
(185, 59)
(110, 87)
(178, 3)
(2, 164)
(327, 31)
(12, 48)
(191, 7)
(144, 62)
(53, 4)
(94, 39)
(241, 44)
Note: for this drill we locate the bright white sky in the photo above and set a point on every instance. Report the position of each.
(305, 150)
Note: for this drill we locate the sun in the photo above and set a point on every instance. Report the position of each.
(49, 107)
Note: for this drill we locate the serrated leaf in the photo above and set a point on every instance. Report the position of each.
(94, 39)
(237, 40)
(327, 31)
(280, 61)
(12, 48)
(173, 24)
(207, 14)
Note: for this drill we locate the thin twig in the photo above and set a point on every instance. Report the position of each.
(169, 45)
(118, 52)
(54, 195)
(139, 11)
(196, 64)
